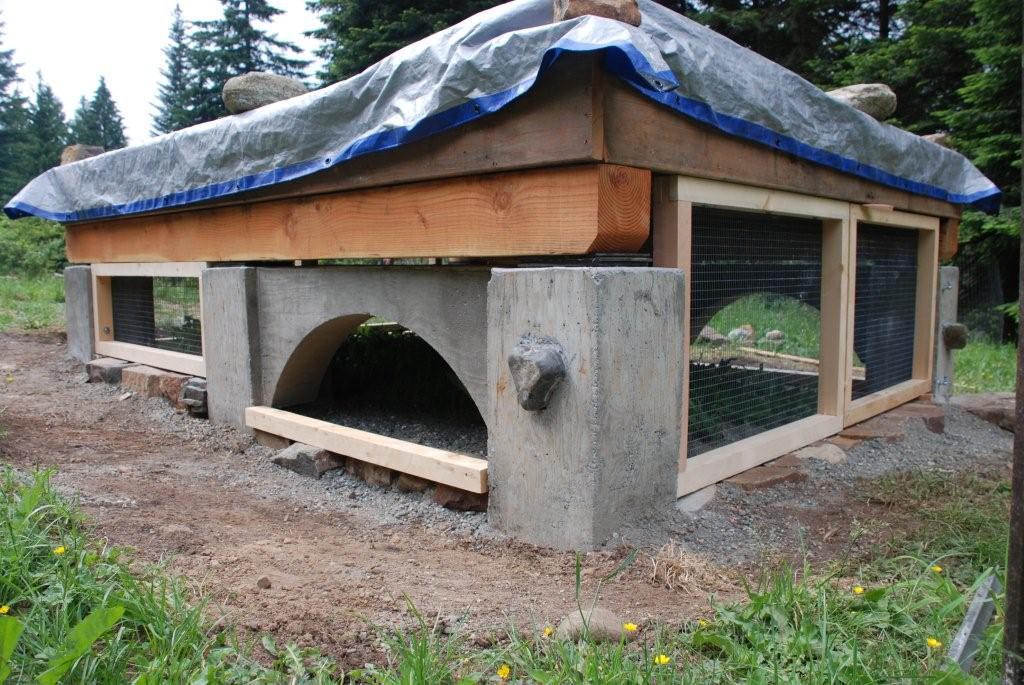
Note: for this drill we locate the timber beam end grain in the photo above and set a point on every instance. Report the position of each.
(557, 210)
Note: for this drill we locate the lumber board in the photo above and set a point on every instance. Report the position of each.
(560, 210)
(884, 400)
(164, 269)
(640, 132)
(719, 464)
(441, 466)
(191, 364)
(834, 353)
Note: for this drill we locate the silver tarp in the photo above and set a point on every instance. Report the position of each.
(477, 67)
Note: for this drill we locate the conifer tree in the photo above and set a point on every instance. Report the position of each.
(172, 107)
(15, 131)
(98, 121)
(49, 129)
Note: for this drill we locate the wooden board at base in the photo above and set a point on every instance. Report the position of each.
(559, 210)
(450, 468)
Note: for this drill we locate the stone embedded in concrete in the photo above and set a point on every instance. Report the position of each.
(193, 396)
(954, 335)
(307, 460)
(766, 476)
(602, 625)
(78, 312)
(271, 441)
(230, 318)
(604, 454)
(106, 370)
(998, 408)
(537, 367)
(257, 88)
(409, 483)
(371, 473)
(823, 451)
(149, 382)
(462, 500)
(696, 500)
(626, 11)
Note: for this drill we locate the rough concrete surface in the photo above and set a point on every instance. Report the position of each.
(78, 312)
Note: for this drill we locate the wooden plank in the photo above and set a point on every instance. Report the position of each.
(711, 467)
(450, 468)
(151, 356)
(161, 269)
(924, 317)
(565, 210)
(640, 132)
(949, 239)
(103, 307)
(673, 224)
(738, 196)
(833, 384)
(884, 400)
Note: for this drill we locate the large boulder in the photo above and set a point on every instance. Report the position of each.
(76, 153)
(626, 11)
(874, 99)
(995, 407)
(256, 89)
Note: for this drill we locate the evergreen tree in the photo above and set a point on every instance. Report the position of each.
(15, 131)
(172, 108)
(98, 121)
(49, 130)
(231, 46)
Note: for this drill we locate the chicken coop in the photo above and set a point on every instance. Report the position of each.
(651, 258)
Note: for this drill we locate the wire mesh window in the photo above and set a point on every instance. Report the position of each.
(160, 312)
(885, 305)
(755, 324)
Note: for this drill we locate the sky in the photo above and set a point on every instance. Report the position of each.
(73, 42)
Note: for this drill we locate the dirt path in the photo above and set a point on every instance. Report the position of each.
(166, 485)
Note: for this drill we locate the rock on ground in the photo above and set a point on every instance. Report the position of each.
(874, 99)
(603, 625)
(307, 460)
(995, 407)
(256, 89)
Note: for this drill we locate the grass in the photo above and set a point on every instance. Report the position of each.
(85, 608)
(799, 322)
(31, 302)
(985, 367)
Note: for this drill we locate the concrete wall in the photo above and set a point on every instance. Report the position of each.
(231, 342)
(78, 312)
(604, 453)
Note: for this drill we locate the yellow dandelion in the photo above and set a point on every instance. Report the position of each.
(504, 671)
(936, 568)
(629, 627)
(4, 610)
(858, 590)
(548, 631)
(933, 643)
(662, 659)
(60, 550)
(701, 623)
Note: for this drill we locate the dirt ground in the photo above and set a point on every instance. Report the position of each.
(204, 499)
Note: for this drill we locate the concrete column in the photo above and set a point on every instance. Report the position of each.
(604, 453)
(946, 313)
(231, 342)
(78, 312)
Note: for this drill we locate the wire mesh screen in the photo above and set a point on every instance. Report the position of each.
(160, 312)
(756, 328)
(885, 304)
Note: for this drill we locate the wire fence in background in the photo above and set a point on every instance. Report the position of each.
(160, 312)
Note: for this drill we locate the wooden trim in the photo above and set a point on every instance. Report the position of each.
(151, 356)
(949, 238)
(156, 269)
(736, 196)
(558, 210)
(872, 214)
(833, 382)
(711, 467)
(884, 400)
(673, 223)
(924, 321)
(450, 468)
(103, 308)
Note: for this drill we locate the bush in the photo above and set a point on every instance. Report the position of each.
(31, 246)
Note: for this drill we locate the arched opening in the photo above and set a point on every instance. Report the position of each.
(375, 375)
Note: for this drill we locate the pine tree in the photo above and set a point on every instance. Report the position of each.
(231, 46)
(49, 130)
(172, 108)
(98, 121)
(15, 131)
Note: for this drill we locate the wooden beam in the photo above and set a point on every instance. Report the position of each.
(159, 269)
(884, 400)
(151, 356)
(673, 223)
(836, 360)
(949, 239)
(450, 468)
(563, 210)
(640, 132)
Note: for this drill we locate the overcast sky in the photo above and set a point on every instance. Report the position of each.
(74, 42)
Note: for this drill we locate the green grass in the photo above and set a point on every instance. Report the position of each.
(985, 367)
(31, 302)
(799, 322)
(108, 622)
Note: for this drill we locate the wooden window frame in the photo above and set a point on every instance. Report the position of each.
(103, 316)
(924, 321)
(674, 198)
